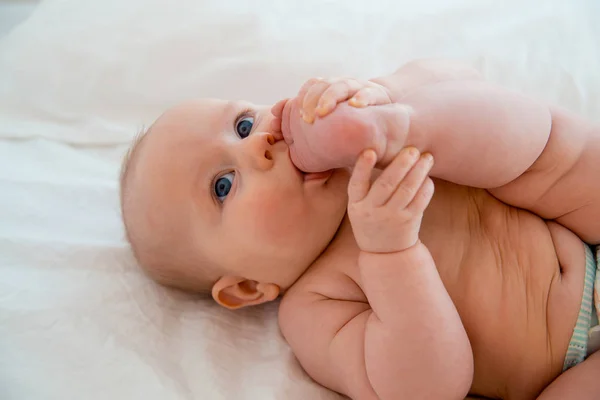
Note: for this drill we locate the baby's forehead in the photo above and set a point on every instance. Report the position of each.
(190, 125)
(208, 109)
(195, 121)
(194, 114)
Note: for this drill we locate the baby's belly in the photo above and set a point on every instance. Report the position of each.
(516, 281)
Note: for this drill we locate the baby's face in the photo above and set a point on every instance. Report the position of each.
(215, 178)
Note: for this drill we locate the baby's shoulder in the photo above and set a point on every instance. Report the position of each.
(329, 280)
(316, 309)
(334, 275)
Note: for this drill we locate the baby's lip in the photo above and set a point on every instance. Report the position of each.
(311, 176)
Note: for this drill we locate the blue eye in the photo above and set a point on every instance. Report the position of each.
(243, 127)
(223, 186)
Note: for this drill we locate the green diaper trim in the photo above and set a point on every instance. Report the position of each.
(577, 350)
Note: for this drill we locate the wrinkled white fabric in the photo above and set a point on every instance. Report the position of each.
(79, 79)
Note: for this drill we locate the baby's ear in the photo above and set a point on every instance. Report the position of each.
(234, 292)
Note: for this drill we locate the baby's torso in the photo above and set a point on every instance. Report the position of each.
(516, 282)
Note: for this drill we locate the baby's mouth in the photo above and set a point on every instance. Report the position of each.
(311, 176)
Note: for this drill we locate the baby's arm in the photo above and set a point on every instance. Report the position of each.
(580, 382)
(407, 344)
(409, 335)
(527, 154)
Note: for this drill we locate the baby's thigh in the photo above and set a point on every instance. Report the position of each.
(563, 183)
(579, 382)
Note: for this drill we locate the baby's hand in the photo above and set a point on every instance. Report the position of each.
(319, 97)
(386, 216)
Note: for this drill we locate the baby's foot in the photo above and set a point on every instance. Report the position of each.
(324, 135)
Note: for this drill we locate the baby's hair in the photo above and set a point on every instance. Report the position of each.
(175, 273)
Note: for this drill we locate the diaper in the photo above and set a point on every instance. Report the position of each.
(586, 334)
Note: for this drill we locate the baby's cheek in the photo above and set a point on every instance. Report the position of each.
(276, 219)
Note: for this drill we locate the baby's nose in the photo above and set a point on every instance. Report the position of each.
(270, 138)
(259, 147)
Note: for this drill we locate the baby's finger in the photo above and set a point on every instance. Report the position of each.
(370, 96)
(405, 193)
(387, 183)
(360, 181)
(422, 197)
(277, 109)
(311, 99)
(304, 89)
(336, 93)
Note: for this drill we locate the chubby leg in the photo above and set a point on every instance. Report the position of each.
(563, 184)
(480, 134)
(581, 382)
(330, 122)
(524, 152)
(527, 154)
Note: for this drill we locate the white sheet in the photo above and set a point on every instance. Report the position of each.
(13, 12)
(80, 78)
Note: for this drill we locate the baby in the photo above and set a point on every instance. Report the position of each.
(389, 290)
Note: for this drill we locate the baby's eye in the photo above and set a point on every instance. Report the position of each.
(223, 186)
(243, 126)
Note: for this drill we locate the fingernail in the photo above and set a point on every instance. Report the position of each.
(428, 157)
(354, 102)
(307, 118)
(370, 155)
(322, 108)
(412, 151)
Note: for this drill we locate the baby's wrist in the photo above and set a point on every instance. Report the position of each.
(409, 251)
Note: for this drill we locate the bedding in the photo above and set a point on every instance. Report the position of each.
(79, 79)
